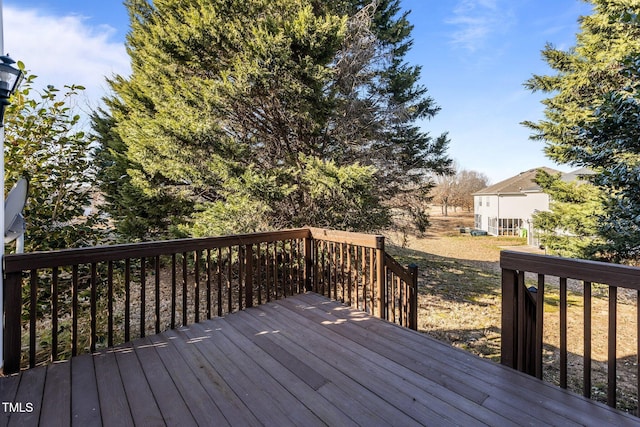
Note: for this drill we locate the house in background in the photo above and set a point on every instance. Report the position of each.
(506, 208)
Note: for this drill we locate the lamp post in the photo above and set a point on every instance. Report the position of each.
(10, 79)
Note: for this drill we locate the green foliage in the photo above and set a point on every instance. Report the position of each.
(45, 144)
(592, 118)
(570, 228)
(235, 108)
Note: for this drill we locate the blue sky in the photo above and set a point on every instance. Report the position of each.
(475, 56)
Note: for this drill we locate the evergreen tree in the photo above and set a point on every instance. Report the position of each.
(258, 114)
(570, 227)
(591, 121)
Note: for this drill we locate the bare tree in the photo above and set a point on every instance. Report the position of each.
(456, 189)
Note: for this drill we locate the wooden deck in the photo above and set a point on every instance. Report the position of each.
(299, 361)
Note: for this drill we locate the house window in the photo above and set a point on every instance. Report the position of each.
(480, 201)
(493, 226)
(477, 221)
(487, 200)
(509, 226)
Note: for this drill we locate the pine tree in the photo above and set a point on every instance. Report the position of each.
(591, 121)
(266, 114)
(570, 227)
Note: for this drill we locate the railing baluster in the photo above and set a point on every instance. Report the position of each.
(292, 267)
(127, 300)
(586, 387)
(241, 267)
(563, 332)
(276, 271)
(219, 274)
(612, 347)
(33, 315)
(174, 285)
(316, 265)
(94, 285)
(143, 295)
(109, 304)
(349, 275)
(309, 265)
(413, 298)
(209, 283)
(185, 273)
(267, 269)
(381, 278)
(259, 272)
(249, 276)
(638, 351)
(539, 325)
(523, 330)
(196, 318)
(372, 275)
(54, 314)
(74, 310)
(157, 293)
(229, 271)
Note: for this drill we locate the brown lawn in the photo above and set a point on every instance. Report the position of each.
(460, 302)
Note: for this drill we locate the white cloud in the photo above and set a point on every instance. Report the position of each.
(477, 20)
(64, 50)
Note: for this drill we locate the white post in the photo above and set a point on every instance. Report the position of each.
(2, 210)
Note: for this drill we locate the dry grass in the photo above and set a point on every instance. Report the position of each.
(460, 303)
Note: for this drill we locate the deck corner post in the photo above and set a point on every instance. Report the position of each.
(308, 263)
(509, 345)
(12, 329)
(413, 297)
(381, 278)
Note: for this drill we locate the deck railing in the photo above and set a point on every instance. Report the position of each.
(523, 313)
(62, 303)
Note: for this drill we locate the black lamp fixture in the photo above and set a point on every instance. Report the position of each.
(10, 79)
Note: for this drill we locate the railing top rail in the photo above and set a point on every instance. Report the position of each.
(570, 268)
(76, 256)
(397, 268)
(357, 239)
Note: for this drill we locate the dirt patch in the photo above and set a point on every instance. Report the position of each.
(460, 303)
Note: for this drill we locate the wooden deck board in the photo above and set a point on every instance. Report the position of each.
(301, 360)
(56, 405)
(512, 387)
(114, 406)
(393, 390)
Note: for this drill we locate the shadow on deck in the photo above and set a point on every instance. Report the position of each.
(302, 360)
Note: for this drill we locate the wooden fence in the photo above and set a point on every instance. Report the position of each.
(523, 313)
(62, 303)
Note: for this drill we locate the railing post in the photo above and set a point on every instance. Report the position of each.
(308, 263)
(508, 353)
(12, 329)
(413, 297)
(249, 276)
(381, 278)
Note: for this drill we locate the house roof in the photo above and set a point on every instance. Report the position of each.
(523, 182)
(578, 174)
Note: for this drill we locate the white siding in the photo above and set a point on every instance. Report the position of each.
(510, 206)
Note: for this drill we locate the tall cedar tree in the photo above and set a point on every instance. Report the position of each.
(592, 119)
(256, 114)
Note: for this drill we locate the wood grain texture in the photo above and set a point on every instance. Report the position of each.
(301, 360)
